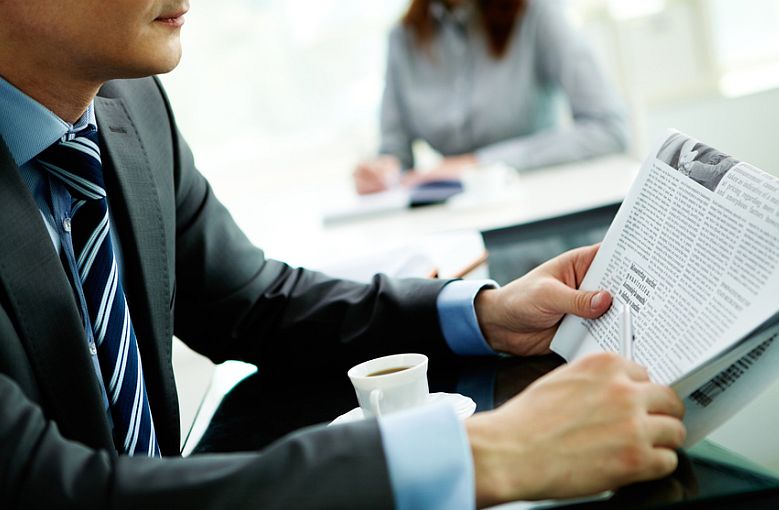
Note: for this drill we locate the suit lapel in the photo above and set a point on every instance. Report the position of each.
(48, 320)
(134, 202)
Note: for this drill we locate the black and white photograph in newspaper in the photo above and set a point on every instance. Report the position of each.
(698, 161)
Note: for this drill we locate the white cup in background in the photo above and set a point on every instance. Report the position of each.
(391, 383)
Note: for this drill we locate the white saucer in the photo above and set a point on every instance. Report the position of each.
(463, 406)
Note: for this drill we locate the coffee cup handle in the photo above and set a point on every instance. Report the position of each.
(376, 397)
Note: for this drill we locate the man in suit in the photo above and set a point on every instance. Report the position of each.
(111, 242)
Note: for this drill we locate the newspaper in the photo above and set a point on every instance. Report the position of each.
(694, 252)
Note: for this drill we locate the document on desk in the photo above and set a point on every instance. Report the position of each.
(393, 200)
(694, 252)
(454, 254)
(365, 206)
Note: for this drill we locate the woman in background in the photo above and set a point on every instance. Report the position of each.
(480, 81)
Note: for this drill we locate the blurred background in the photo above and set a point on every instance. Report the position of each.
(300, 82)
(279, 97)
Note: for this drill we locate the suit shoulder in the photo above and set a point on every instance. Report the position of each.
(143, 97)
(144, 88)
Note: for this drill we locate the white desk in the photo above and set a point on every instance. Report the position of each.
(292, 229)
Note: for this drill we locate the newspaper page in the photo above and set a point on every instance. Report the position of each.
(694, 251)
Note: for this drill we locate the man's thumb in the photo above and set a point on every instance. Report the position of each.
(587, 303)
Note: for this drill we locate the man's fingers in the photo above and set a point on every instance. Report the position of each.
(572, 265)
(583, 258)
(636, 372)
(663, 462)
(663, 400)
(589, 304)
(665, 431)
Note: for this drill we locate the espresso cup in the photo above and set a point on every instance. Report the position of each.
(391, 383)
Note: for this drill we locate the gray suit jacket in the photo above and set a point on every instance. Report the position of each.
(191, 272)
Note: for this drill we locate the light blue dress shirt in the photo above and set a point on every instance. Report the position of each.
(427, 451)
(28, 128)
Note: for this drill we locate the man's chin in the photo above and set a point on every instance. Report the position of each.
(160, 65)
(166, 61)
(164, 69)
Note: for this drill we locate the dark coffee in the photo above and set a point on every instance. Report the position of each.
(387, 371)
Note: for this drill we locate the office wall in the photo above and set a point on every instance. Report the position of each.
(746, 127)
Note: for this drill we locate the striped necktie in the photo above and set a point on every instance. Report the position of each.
(76, 162)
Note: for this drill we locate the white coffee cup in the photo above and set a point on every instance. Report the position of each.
(391, 383)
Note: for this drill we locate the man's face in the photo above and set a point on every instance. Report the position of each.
(94, 39)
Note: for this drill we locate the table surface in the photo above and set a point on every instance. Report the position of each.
(526, 197)
(258, 411)
(242, 419)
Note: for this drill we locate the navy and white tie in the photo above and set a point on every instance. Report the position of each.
(76, 162)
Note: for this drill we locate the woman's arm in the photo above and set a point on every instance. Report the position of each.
(564, 58)
(396, 137)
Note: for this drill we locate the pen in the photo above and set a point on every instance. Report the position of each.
(627, 333)
(481, 259)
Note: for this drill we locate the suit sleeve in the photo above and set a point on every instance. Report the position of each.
(233, 303)
(41, 469)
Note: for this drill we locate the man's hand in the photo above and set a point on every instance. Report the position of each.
(522, 317)
(377, 174)
(590, 426)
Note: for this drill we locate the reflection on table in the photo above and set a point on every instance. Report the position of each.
(262, 409)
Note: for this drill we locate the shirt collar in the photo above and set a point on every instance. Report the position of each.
(28, 127)
(460, 14)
